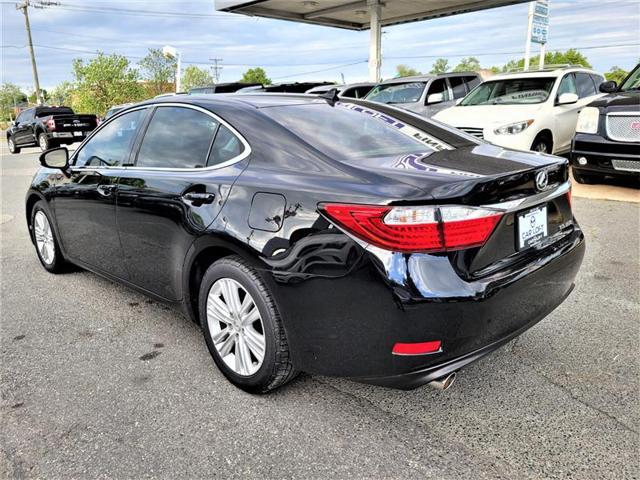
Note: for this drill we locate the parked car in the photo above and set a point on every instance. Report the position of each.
(48, 126)
(228, 87)
(352, 90)
(424, 94)
(534, 110)
(115, 109)
(339, 238)
(294, 87)
(607, 140)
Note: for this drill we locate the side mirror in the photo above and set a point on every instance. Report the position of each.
(435, 98)
(608, 87)
(567, 98)
(55, 158)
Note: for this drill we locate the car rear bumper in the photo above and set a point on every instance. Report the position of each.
(604, 156)
(347, 326)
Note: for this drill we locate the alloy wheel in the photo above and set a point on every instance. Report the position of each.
(44, 238)
(12, 146)
(43, 142)
(540, 147)
(236, 327)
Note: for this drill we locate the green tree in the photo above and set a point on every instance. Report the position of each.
(469, 64)
(195, 77)
(441, 65)
(256, 75)
(616, 74)
(10, 97)
(159, 70)
(104, 81)
(43, 93)
(406, 71)
(62, 94)
(571, 56)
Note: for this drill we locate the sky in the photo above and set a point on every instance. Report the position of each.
(291, 51)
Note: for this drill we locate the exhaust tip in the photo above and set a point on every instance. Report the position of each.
(443, 383)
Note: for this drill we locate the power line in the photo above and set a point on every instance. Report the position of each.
(142, 12)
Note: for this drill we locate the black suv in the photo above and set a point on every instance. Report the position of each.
(607, 140)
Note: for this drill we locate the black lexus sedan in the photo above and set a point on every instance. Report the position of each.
(306, 233)
(607, 140)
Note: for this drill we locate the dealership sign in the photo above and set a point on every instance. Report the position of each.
(540, 22)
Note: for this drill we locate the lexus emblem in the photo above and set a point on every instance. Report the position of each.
(542, 180)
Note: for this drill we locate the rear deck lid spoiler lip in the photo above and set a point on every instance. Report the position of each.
(520, 203)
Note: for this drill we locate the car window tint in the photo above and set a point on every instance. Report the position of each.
(225, 147)
(585, 85)
(361, 92)
(111, 145)
(471, 82)
(177, 137)
(457, 86)
(597, 79)
(439, 86)
(351, 132)
(20, 117)
(567, 85)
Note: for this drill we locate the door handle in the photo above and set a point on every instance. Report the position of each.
(106, 190)
(196, 198)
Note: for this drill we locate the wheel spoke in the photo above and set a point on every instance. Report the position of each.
(227, 345)
(218, 310)
(255, 342)
(218, 337)
(251, 317)
(231, 297)
(243, 353)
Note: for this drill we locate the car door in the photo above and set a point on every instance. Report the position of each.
(22, 132)
(565, 117)
(85, 200)
(184, 167)
(437, 86)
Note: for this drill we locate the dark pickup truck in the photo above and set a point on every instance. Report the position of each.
(48, 127)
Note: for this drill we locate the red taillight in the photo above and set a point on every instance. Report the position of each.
(51, 124)
(417, 348)
(416, 229)
(569, 198)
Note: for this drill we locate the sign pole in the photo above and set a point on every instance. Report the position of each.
(527, 51)
(542, 52)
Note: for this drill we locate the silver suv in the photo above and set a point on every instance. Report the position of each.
(425, 94)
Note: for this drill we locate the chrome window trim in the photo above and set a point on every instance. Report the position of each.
(231, 161)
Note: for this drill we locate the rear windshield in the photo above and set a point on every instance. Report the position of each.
(510, 92)
(46, 111)
(349, 131)
(409, 92)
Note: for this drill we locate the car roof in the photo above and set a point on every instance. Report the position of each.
(424, 78)
(545, 72)
(247, 100)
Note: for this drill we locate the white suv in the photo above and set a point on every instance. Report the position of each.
(534, 110)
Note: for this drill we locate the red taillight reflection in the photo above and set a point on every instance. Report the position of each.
(416, 229)
(421, 348)
(51, 124)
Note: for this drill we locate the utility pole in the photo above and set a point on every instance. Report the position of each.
(25, 10)
(216, 68)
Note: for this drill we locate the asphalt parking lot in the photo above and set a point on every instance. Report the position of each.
(100, 382)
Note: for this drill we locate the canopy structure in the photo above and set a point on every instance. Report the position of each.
(359, 15)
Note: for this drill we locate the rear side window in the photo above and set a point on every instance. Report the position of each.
(472, 82)
(597, 79)
(439, 86)
(226, 146)
(585, 85)
(177, 137)
(458, 87)
(111, 145)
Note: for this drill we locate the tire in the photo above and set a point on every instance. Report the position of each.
(585, 178)
(43, 142)
(13, 148)
(48, 252)
(542, 144)
(254, 374)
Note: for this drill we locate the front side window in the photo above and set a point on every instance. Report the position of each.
(351, 132)
(409, 92)
(567, 85)
(111, 145)
(20, 117)
(177, 137)
(513, 91)
(585, 85)
(632, 82)
(439, 86)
